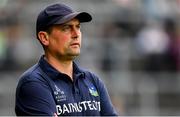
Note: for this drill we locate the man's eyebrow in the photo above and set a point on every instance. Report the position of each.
(69, 24)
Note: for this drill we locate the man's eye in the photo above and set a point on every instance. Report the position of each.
(78, 26)
(66, 28)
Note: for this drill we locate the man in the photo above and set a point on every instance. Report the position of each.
(56, 85)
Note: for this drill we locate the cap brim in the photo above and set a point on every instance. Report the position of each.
(81, 16)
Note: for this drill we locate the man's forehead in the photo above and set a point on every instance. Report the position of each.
(72, 22)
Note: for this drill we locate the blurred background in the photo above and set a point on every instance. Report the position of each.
(133, 46)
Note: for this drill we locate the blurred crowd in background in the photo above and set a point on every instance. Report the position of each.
(133, 45)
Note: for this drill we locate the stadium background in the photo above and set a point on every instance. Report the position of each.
(133, 45)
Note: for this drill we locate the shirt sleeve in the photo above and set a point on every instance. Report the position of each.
(34, 98)
(107, 108)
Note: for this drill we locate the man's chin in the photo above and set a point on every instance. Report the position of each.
(73, 56)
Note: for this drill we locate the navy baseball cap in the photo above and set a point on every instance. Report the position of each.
(58, 14)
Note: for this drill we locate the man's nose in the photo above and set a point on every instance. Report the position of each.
(75, 33)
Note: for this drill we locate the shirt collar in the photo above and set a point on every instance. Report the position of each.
(53, 73)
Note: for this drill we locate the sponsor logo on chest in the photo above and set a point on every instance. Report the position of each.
(59, 94)
(78, 107)
(75, 107)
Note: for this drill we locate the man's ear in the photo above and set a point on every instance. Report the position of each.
(43, 37)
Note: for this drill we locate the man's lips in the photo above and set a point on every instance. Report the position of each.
(75, 44)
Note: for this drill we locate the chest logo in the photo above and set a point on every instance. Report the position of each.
(93, 91)
(59, 94)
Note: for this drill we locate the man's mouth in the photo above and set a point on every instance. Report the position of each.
(75, 44)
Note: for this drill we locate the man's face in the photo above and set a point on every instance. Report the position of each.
(65, 40)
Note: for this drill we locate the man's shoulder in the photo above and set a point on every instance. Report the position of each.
(92, 76)
(31, 74)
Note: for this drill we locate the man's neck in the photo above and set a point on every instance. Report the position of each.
(62, 66)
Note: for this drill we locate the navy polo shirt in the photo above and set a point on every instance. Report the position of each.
(42, 90)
